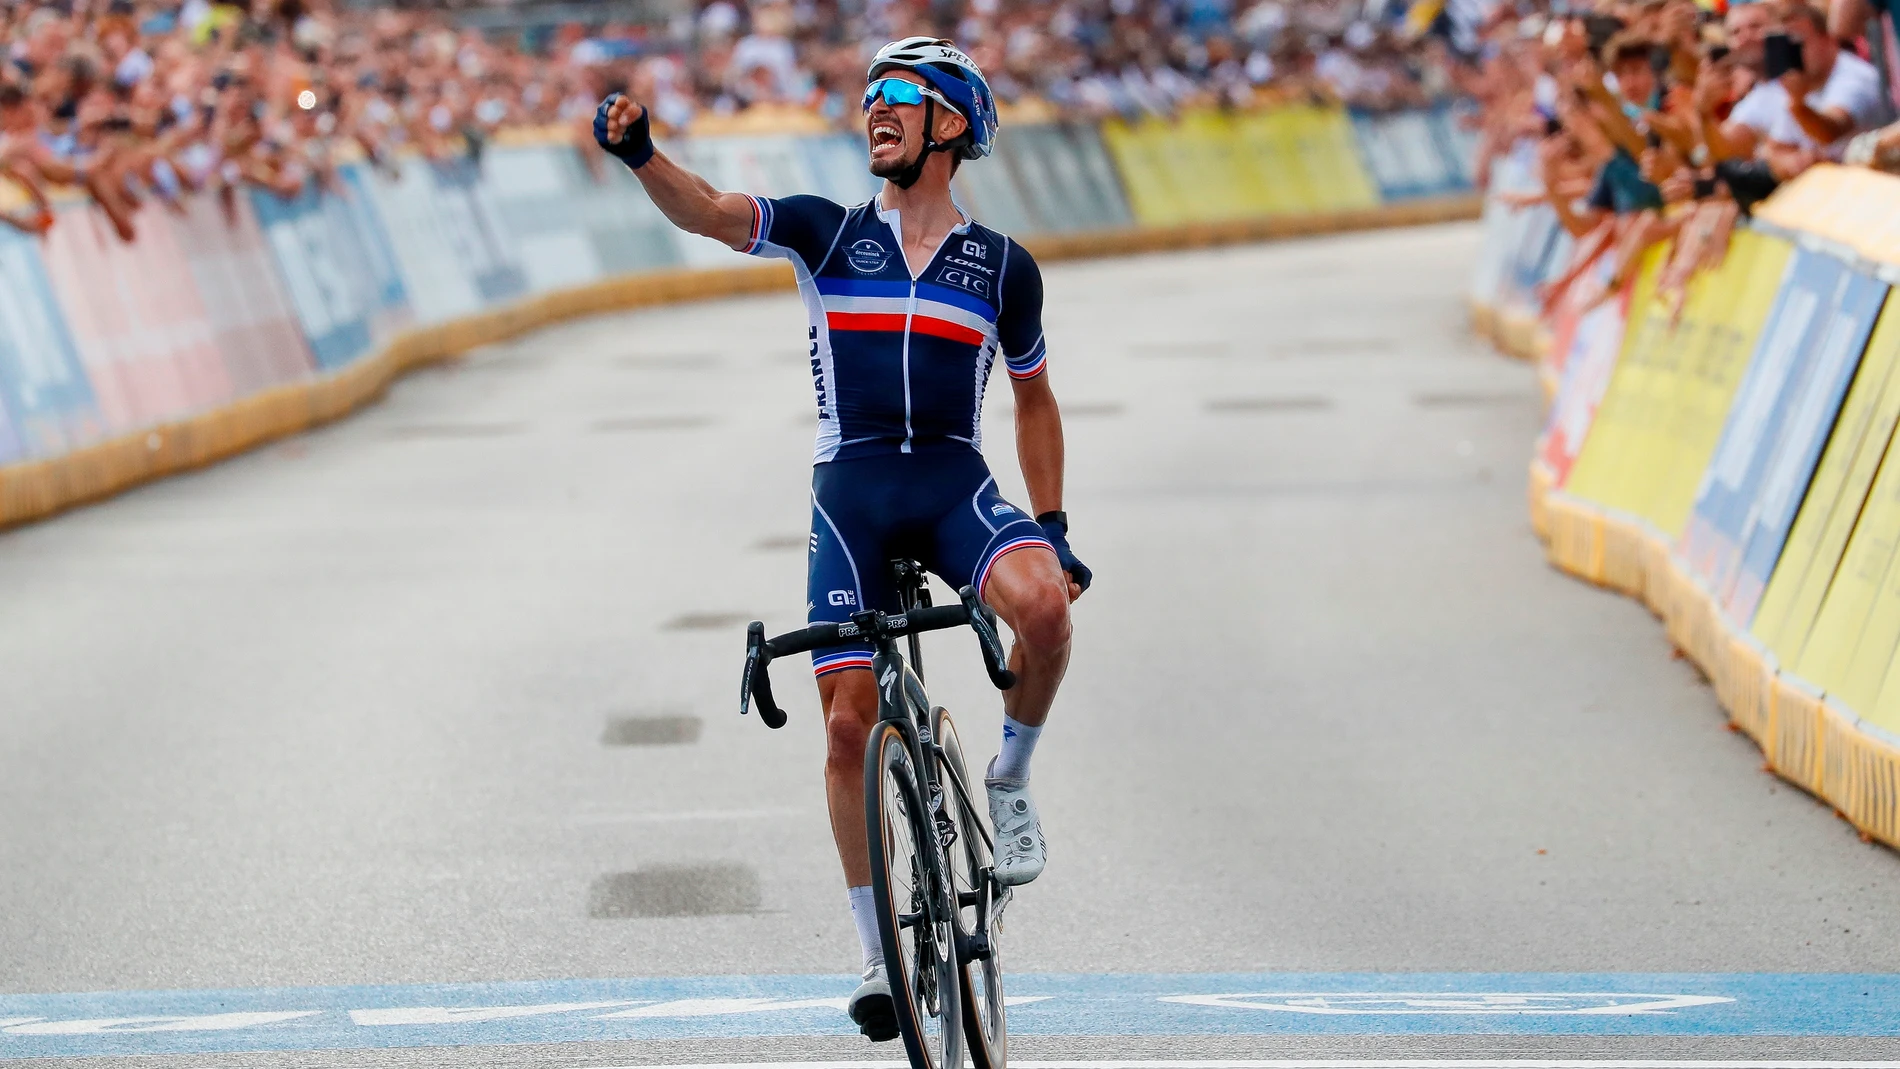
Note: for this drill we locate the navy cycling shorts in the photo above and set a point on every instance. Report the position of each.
(940, 508)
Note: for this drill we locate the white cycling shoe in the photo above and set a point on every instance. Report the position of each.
(1020, 850)
(871, 1008)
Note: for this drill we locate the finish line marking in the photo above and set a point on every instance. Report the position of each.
(132, 1023)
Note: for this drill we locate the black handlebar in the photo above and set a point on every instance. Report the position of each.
(761, 651)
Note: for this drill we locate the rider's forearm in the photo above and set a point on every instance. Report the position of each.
(692, 204)
(1039, 443)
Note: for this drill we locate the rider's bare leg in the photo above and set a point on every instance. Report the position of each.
(850, 701)
(1029, 590)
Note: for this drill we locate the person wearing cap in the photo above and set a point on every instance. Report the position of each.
(911, 303)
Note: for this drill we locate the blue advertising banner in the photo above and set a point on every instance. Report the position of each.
(1066, 181)
(1456, 140)
(10, 450)
(1811, 413)
(1541, 242)
(329, 285)
(42, 384)
(483, 246)
(1402, 151)
(840, 166)
(530, 186)
(627, 232)
(356, 213)
(1810, 294)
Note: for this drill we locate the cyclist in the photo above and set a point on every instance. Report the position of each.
(910, 302)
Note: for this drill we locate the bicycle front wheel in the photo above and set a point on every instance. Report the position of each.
(986, 1027)
(914, 914)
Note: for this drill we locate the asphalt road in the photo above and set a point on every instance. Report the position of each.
(408, 698)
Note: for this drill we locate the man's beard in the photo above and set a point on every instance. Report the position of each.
(890, 168)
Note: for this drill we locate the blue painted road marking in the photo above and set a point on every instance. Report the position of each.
(335, 1018)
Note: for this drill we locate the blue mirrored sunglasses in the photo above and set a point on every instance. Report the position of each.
(898, 91)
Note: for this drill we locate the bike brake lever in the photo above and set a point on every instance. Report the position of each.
(758, 679)
(983, 622)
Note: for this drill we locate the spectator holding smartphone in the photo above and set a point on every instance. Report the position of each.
(1813, 97)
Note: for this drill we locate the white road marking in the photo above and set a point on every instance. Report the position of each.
(210, 1022)
(1344, 1003)
(718, 1007)
(471, 1014)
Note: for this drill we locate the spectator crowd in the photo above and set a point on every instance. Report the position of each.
(1654, 119)
(135, 101)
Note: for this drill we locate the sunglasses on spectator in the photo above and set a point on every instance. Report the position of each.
(898, 91)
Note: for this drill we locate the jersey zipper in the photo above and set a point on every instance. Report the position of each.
(910, 313)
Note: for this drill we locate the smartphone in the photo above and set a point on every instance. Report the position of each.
(1718, 53)
(1599, 29)
(1659, 59)
(1780, 54)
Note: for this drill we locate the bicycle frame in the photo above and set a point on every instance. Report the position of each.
(913, 592)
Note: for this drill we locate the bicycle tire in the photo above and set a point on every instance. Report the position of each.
(985, 1019)
(907, 875)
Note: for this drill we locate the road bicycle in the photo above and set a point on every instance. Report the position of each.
(938, 903)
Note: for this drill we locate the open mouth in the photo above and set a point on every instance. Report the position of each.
(885, 134)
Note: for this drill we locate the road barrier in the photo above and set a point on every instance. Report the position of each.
(230, 324)
(1722, 446)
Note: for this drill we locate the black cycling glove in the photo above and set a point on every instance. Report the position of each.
(1055, 527)
(635, 146)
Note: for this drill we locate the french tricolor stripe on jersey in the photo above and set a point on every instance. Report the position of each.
(761, 223)
(1029, 364)
(969, 302)
(924, 316)
(1004, 550)
(838, 662)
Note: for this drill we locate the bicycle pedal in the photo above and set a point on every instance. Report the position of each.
(880, 1028)
(877, 1023)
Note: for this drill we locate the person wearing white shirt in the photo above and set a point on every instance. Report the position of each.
(1818, 108)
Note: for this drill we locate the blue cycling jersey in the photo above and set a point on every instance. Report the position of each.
(899, 361)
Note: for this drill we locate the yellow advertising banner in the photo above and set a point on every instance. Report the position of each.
(1731, 305)
(1269, 140)
(1835, 496)
(1847, 647)
(1597, 475)
(1663, 413)
(1323, 143)
(1208, 165)
(1140, 154)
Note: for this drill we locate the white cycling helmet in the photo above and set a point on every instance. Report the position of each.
(952, 74)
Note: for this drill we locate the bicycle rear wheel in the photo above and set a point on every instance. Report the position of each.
(914, 914)
(985, 1025)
